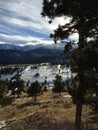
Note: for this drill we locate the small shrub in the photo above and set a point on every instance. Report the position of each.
(35, 90)
(5, 101)
(58, 85)
(37, 75)
(92, 101)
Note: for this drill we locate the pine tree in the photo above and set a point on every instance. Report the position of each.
(2, 88)
(84, 21)
(34, 90)
(4, 99)
(58, 85)
(16, 85)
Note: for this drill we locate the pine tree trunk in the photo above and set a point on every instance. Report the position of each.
(18, 95)
(96, 91)
(35, 98)
(78, 115)
(60, 94)
(18, 92)
(96, 105)
(81, 83)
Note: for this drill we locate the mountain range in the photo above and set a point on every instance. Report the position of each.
(14, 54)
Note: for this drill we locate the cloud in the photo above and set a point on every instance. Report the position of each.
(25, 14)
(2, 42)
(24, 39)
(21, 22)
(74, 37)
(30, 41)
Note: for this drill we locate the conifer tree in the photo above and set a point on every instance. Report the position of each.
(16, 85)
(34, 90)
(84, 21)
(58, 85)
(2, 88)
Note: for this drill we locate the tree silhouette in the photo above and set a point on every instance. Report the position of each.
(84, 21)
(2, 88)
(4, 99)
(34, 90)
(28, 83)
(58, 85)
(16, 85)
(88, 56)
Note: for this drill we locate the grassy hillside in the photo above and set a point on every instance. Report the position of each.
(49, 113)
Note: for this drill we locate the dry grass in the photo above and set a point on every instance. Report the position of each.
(48, 114)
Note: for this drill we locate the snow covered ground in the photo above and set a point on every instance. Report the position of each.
(40, 71)
(45, 71)
(8, 76)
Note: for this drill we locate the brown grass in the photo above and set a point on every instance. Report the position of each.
(48, 114)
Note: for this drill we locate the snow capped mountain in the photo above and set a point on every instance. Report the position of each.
(15, 54)
(30, 47)
(9, 47)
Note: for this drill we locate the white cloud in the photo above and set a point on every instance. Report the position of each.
(26, 14)
(19, 38)
(30, 10)
(2, 42)
(74, 37)
(26, 39)
(31, 41)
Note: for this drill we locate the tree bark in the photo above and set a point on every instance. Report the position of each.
(96, 91)
(78, 115)
(18, 92)
(35, 98)
(81, 90)
(96, 105)
(60, 94)
(80, 100)
(18, 95)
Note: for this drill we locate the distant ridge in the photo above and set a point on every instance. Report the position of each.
(30, 47)
(12, 54)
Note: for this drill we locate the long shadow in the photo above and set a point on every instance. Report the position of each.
(58, 126)
(92, 122)
(28, 104)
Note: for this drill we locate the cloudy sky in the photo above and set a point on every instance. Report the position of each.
(22, 24)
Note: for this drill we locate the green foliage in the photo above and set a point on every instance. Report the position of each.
(58, 85)
(45, 88)
(92, 101)
(2, 88)
(83, 16)
(5, 101)
(16, 85)
(8, 70)
(85, 59)
(73, 89)
(35, 89)
(88, 55)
